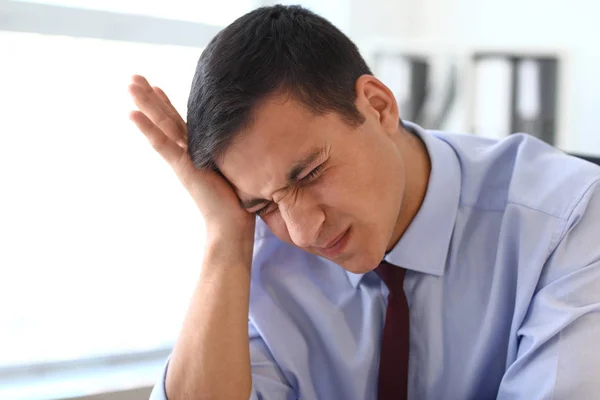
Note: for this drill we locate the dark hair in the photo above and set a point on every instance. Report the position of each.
(270, 49)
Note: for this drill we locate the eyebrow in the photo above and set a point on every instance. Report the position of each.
(297, 168)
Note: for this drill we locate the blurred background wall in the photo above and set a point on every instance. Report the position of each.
(99, 244)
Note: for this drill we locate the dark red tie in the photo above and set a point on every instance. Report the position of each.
(393, 362)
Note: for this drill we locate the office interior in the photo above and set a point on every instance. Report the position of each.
(92, 289)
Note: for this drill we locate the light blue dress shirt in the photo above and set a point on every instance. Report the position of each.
(503, 285)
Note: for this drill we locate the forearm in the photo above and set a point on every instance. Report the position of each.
(211, 358)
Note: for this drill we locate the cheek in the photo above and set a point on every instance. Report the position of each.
(349, 192)
(277, 225)
(367, 198)
(336, 193)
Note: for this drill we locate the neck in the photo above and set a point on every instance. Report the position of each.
(417, 166)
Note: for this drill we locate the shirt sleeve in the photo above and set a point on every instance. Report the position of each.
(268, 381)
(159, 392)
(558, 355)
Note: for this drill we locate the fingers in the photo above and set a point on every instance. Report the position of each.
(153, 107)
(171, 109)
(167, 148)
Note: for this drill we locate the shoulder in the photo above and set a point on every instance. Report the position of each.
(522, 171)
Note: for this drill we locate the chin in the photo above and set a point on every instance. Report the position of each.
(365, 259)
(360, 264)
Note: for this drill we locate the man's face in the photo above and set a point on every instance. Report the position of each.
(320, 184)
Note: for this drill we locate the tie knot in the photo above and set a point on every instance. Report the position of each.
(392, 275)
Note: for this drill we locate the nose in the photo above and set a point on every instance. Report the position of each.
(303, 219)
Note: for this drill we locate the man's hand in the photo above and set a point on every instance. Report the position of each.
(166, 131)
(211, 358)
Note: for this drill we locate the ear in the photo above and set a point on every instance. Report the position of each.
(375, 99)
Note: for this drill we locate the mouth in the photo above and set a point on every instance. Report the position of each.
(336, 246)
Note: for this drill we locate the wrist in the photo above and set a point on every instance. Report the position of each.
(233, 235)
(228, 250)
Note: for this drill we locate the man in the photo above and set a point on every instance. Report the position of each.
(388, 261)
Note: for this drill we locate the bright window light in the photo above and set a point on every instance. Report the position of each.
(100, 246)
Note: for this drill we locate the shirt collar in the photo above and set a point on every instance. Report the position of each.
(424, 245)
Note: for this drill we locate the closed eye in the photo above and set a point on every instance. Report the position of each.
(312, 174)
(263, 210)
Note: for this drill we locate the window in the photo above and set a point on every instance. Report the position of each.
(100, 245)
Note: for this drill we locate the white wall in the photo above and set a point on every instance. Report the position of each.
(381, 18)
(569, 25)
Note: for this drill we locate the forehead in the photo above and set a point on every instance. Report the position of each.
(282, 132)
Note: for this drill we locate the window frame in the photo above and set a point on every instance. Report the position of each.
(18, 16)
